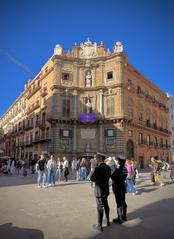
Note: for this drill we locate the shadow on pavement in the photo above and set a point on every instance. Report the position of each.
(152, 221)
(16, 180)
(7, 231)
(146, 190)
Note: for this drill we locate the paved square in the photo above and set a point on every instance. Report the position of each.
(68, 211)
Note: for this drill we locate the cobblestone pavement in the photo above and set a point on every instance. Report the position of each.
(68, 211)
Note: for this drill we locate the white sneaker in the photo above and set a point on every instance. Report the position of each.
(49, 185)
(39, 186)
(162, 184)
(45, 186)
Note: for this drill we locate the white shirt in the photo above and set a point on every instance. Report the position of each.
(65, 164)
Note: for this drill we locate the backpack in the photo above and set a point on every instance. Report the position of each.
(41, 165)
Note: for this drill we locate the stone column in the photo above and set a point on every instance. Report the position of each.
(120, 65)
(75, 104)
(101, 102)
(101, 137)
(74, 138)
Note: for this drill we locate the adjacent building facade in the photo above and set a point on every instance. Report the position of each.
(84, 101)
(171, 122)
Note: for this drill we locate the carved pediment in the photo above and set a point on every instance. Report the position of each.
(88, 49)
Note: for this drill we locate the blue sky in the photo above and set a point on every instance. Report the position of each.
(29, 31)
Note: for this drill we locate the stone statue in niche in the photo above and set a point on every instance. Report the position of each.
(88, 106)
(88, 79)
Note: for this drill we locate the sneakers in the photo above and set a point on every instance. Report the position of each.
(117, 220)
(124, 218)
(98, 227)
(44, 186)
(162, 184)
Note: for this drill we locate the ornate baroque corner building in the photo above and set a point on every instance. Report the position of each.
(85, 101)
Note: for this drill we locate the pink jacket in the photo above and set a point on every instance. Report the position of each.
(129, 168)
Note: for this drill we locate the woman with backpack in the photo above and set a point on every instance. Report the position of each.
(41, 170)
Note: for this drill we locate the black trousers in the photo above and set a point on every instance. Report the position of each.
(102, 202)
(120, 199)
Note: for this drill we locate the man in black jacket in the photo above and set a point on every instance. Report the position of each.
(119, 189)
(101, 177)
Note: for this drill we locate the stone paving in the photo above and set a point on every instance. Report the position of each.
(68, 211)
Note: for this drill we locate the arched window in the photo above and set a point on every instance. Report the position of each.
(130, 149)
(147, 116)
(160, 121)
(154, 119)
(140, 111)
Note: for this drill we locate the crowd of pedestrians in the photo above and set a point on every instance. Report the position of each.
(101, 171)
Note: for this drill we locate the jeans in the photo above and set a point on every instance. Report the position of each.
(130, 186)
(83, 173)
(59, 174)
(41, 177)
(51, 176)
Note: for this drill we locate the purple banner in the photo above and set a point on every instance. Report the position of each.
(88, 117)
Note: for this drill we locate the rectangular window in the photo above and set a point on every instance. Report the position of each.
(27, 139)
(32, 122)
(140, 138)
(109, 75)
(47, 132)
(166, 143)
(43, 118)
(31, 138)
(148, 123)
(138, 89)
(148, 139)
(110, 133)
(130, 133)
(156, 141)
(65, 76)
(66, 107)
(161, 142)
(66, 133)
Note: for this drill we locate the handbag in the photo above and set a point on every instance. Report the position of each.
(66, 171)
